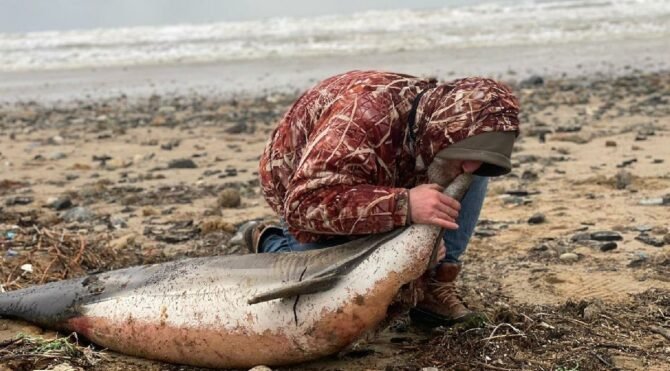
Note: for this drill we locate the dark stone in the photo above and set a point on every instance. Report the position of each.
(532, 82)
(182, 163)
(537, 218)
(606, 236)
(237, 128)
(627, 163)
(61, 203)
(19, 200)
(649, 240)
(485, 233)
(608, 246)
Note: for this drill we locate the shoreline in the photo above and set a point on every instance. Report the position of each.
(261, 77)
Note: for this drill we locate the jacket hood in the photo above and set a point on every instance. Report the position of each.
(452, 118)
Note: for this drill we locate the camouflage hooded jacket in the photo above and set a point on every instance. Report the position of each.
(341, 160)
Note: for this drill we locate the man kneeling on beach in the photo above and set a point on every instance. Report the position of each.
(367, 152)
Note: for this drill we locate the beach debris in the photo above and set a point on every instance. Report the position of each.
(229, 198)
(78, 214)
(537, 218)
(28, 268)
(182, 163)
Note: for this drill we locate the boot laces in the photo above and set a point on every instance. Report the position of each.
(446, 293)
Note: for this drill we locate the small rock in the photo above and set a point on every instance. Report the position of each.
(610, 143)
(592, 311)
(649, 240)
(118, 222)
(529, 175)
(625, 163)
(18, 200)
(640, 137)
(532, 82)
(608, 246)
(568, 257)
(656, 201)
(638, 259)
(657, 161)
(170, 145)
(229, 197)
(182, 163)
(56, 156)
(260, 368)
(606, 236)
(583, 236)
(623, 179)
(484, 232)
(537, 218)
(78, 214)
(61, 203)
(237, 128)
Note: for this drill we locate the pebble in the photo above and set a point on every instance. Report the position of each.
(182, 163)
(260, 368)
(592, 311)
(61, 203)
(568, 257)
(237, 128)
(229, 198)
(537, 218)
(623, 179)
(608, 246)
(532, 82)
(606, 236)
(118, 222)
(656, 201)
(18, 200)
(78, 214)
(638, 259)
(610, 143)
(56, 156)
(649, 240)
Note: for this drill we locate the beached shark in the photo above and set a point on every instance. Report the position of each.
(238, 311)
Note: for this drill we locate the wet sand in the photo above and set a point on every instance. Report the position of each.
(572, 249)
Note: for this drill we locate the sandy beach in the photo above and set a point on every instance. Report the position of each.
(103, 169)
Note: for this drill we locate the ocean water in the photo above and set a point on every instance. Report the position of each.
(459, 25)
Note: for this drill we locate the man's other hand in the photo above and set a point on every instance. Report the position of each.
(429, 206)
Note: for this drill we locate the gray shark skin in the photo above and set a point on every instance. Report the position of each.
(238, 311)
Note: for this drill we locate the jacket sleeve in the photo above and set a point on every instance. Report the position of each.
(338, 186)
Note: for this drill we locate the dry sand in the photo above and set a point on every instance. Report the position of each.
(592, 150)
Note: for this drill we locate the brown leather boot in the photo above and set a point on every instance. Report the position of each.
(250, 233)
(441, 305)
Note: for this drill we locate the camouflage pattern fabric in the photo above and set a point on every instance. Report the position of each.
(341, 160)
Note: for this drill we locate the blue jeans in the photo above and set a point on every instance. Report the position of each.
(456, 241)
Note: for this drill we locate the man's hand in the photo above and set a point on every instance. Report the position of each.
(429, 206)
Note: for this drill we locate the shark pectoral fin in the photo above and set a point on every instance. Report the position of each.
(309, 286)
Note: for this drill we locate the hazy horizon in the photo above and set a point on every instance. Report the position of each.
(61, 15)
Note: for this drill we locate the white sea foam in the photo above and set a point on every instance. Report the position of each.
(503, 23)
